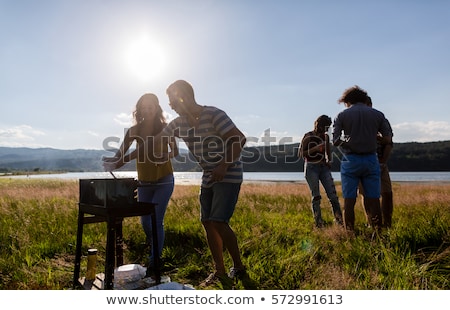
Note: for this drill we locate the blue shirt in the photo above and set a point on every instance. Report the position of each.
(360, 124)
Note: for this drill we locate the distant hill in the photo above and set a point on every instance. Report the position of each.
(30, 159)
(78, 160)
(412, 156)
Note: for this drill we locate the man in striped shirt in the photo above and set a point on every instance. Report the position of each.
(216, 143)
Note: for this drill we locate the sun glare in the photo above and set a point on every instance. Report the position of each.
(145, 58)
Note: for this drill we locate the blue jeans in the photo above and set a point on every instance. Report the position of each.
(158, 192)
(364, 169)
(320, 172)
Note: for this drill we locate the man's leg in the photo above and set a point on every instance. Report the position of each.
(387, 203)
(372, 189)
(215, 243)
(387, 207)
(373, 205)
(230, 242)
(218, 204)
(349, 213)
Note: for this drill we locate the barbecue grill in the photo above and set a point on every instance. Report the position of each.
(110, 201)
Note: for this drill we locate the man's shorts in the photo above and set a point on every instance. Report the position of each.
(217, 203)
(360, 168)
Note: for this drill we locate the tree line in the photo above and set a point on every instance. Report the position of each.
(411, 156)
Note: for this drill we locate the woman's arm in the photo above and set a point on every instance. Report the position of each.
(328, 148)
(174, 151)
(307, 150)
(121, 157)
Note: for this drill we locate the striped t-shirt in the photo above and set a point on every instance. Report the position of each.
(206, 143)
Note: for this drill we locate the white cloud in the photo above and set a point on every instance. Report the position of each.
(18, 136)
(126, 120)
(27, 136)
(421, 131)
(270, 137)
(123, 119)
(92, 133)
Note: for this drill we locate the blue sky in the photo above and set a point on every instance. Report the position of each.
(72, 71)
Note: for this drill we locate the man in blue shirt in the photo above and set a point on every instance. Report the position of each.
(355, 134)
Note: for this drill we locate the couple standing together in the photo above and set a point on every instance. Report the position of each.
(364, 137)
(215, 142)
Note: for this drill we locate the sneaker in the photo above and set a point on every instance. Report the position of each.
(236, 272)
(212, 279)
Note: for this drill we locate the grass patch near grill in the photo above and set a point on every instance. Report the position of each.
(275, 230)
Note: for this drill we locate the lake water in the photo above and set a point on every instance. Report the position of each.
(195, 177)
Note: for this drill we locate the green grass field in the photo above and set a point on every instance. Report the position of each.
(274, 225)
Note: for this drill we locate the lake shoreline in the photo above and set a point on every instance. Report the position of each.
(194, 178)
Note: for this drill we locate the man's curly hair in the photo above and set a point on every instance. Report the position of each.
(353, 95)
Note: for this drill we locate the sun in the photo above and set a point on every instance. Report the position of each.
(145, 58)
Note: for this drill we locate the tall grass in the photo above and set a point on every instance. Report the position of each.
(274, 225)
